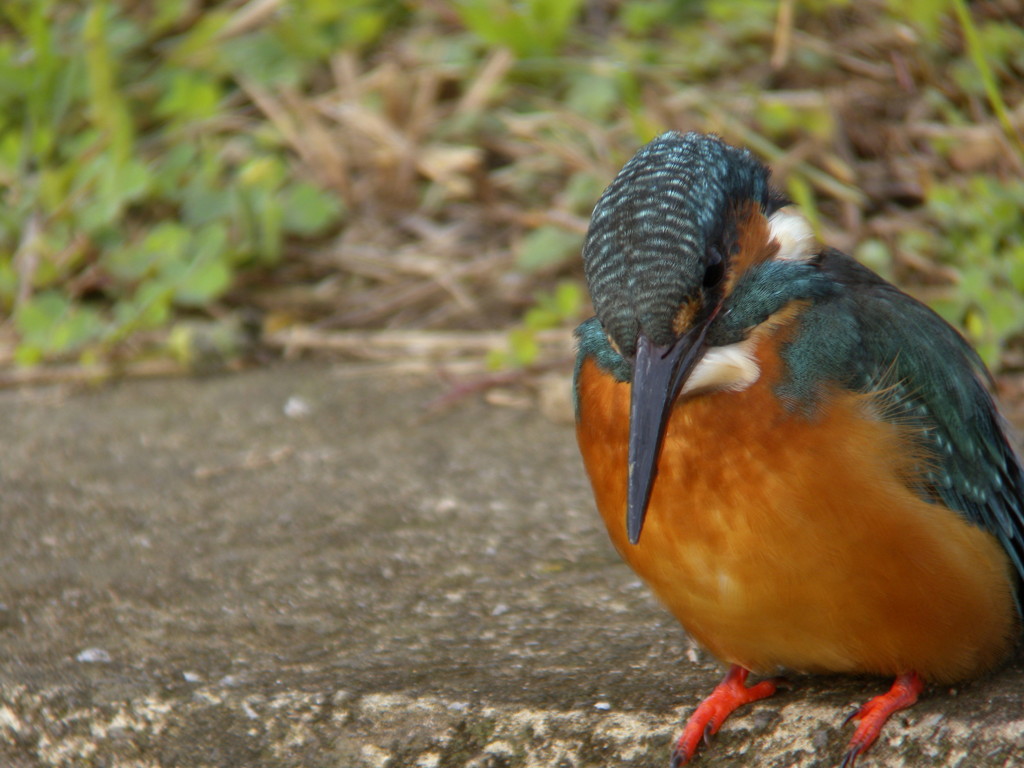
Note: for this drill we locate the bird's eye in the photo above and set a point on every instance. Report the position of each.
(715, 269)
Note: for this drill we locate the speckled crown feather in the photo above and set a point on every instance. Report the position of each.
(649, 233)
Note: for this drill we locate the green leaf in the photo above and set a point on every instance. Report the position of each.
(199, 48)
(200, 283)
(207, 275)
(168, 14)
(1015, 256)
(8, 284)
(262, 57)
(538, 318)
(594, 95)
(49, 324)
(107, 186)
(149, 307)
(205, 197)
(190, 96)
(262, 172)
(523, 346)
(164, 244)
(569, 298)
(531, 28)
(546, 247)
(875, 254)
(582, 190)
(173, 170)
(107, 108)
(803, 195)
(308, 210)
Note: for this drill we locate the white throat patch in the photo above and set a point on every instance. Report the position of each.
(790, 228)
(731, 367)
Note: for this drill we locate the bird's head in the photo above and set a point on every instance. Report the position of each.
(661, 256)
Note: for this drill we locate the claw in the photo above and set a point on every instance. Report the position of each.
(783, 683)
(849, 717)
(876, 712)
(850, 758)
(728, 695)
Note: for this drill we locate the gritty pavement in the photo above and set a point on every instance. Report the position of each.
(298, 567)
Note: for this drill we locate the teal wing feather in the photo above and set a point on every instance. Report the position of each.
(878, 337)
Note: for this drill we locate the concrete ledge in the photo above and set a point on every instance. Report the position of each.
(216, 727)
(294, 567)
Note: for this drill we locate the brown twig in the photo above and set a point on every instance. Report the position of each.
(406, 344)
(783, 37)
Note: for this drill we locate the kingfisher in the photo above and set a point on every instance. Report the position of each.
(804, 463)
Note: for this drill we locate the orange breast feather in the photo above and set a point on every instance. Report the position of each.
(779, 539)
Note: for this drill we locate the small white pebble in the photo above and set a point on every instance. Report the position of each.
(296, 407)
(375, 756)
(500, 748)
(446, 504)
(604, 706)
(192, 677)
(93, 656)
(499, 609)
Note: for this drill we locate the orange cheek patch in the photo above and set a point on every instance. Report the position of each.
(756, 245)
(686, 315)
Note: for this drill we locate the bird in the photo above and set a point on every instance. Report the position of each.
(804, 463)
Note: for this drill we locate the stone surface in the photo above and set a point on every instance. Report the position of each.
(299, 567)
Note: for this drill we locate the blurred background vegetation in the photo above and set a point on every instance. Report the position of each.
(186, 185)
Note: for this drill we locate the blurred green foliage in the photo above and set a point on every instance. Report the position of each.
(551, 309)
(979, 233)
(527, 27)
(140, 177)
(127, 191)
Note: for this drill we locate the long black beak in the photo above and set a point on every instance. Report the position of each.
(658, 377)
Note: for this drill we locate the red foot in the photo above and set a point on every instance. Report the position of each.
(728, 695)
(874, 714)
